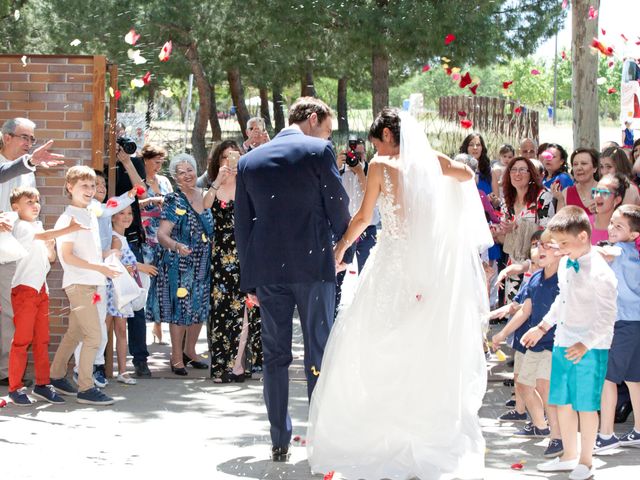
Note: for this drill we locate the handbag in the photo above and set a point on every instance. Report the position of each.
(141, 300)
(125, 288)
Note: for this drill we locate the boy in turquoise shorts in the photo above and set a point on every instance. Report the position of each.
(584, 313)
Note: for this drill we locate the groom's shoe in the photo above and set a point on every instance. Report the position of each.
(280, 454)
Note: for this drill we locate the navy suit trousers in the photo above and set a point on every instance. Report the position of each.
(315, 302)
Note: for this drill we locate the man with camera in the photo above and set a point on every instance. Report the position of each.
(353, 166)
(256, 134)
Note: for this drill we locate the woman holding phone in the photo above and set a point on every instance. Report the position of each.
(234, 325)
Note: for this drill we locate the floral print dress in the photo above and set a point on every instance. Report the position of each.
(227, 301)
(150, 216)
(180, 293)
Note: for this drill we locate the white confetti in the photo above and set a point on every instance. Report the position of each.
(75, 42)
(24, 60)
(16, 15)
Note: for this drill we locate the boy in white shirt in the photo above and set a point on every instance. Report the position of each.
(30, 297)
(80, 254)
(584, 313)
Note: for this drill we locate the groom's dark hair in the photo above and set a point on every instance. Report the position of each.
(303, 107)
(387, 118)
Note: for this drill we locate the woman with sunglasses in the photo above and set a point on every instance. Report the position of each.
(615, 160)
(607, 196)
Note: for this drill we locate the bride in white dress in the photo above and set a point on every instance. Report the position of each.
(403, 374)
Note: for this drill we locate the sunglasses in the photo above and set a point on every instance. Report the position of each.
(27, 138)
(603, 192)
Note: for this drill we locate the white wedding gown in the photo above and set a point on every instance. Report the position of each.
(403, 374)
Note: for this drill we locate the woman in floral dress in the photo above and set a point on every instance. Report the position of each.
(233, 331)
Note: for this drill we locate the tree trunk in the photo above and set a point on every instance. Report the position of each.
(380, 80)
(264, 107)
(151, 93)
(307, 88)
(198, 143)
(237, 95)
(584, 89)
(278, 108)
(216, 131)
(343, 120)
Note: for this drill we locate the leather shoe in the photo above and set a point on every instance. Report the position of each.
(280, 454)
(4, 382)
(193, 363)
(622, 412)
(179, 371)
(142, 369)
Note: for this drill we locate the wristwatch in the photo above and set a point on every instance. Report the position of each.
(30, 163)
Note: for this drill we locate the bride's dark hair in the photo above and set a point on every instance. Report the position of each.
(387, 118)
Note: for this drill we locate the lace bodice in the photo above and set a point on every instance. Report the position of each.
(393, 224)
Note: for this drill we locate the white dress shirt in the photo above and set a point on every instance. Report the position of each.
(586, 307)
(31, 270)
(26, 180)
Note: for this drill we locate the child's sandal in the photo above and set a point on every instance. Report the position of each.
(126, 379)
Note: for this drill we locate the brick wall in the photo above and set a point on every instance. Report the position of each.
(64, 96)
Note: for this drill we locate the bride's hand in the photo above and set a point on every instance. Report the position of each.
(338, 254)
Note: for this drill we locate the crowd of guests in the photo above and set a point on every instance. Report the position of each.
(163, 251)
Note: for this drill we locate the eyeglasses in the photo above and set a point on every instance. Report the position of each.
(521, 171)
(27, 138)
(527, 151)
(545, 245)
(603, 192)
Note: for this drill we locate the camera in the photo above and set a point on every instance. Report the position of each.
(352, 158)
(128, 145)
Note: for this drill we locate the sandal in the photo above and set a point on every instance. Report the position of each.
(126, 379)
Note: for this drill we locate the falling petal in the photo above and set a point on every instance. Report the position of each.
(507, 84)
(604, 32)
(465, 123)
(132, 37)
(624, 37)
(16, 15)
(329, 476)
(474, 89)
(112, 203)
(563, 55)
(166, 93)
(111, 92)
(593, 13)
(517, 466)
(517, 110)
(23, 59)
(314, 370)
(465, 80)
(296, 438)
(449, 38)
(182, 292)
(611, 64)
(419, 297)
(96, 298)
(137, 83)
(611, 91)
(546, 155)
(140, 190)
(535, 71)
(75, 42)
(117, 94)
(165, 52)
(601, 81)
(602, 48)
(462, 113)
(564, 4)
(204, 238)
(180, 211)
(426, 68)
(500, 356)
(147, 78)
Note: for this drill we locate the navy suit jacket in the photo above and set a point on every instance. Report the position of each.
(289, 201)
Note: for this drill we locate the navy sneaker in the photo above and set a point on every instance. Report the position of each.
(630, 439)
(19, 398)
(531, 431)
(513, 416)
(47, 393)
(510, 403)
(554, 449)
(93, 396)
(603, 444)
(99, 377)
(63, 386)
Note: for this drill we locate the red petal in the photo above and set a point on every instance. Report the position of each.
(329, 476)
(426, 68)
(96, 298)
(165, 53)
(117, 95)
(624, 38)
(474, 89)
(450, 37)
(604, 32)
(593, 13)
(611, 90)
(448, 71)
(517, 110)
(303, 443)
(466, 123)
(296, 438)
(352, 272)
(462, 113)
(563, 55)
(147, 78)
(610, 64)
(465, 80)
(112, 203)
(517, 466)
(418, 297)
(535, 71)
(506, 85)
(140, 190)
(564, 4)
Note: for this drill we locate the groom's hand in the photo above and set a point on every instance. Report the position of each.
(340, 267)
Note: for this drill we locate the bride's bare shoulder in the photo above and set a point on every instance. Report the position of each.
(384, 163)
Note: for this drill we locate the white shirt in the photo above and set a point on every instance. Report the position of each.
(31, 270)
(586, 307)
(356, 194)
(26, 180)
(86, 245)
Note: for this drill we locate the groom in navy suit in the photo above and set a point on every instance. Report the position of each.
(289, 201)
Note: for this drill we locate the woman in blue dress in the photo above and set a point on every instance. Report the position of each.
(180, 293)
(474, 145)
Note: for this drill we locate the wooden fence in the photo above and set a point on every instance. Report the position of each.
(489, 114)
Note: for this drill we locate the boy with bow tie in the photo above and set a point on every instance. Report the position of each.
(584, 313)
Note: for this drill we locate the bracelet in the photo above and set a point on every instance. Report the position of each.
(345, 241)
(213, 185)
(29, 162)
(544, 330)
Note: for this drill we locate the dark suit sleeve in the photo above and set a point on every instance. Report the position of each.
(335, 198)
(13, 169)
(244, 214)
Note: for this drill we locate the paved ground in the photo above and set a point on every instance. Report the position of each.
(173, 427)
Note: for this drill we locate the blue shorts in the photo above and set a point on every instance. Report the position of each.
(624, 356)
(578, 385)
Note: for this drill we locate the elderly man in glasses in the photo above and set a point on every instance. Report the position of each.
(16, 170)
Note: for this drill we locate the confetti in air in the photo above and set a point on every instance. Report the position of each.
(593, 13)
(449, 38)
(96, 298)
(180, 211)
(314, 371)
(535, 71)
(165, 53)
(426, 68)
(112, 203)
(132, 37)
(464, 123)
(182, 292)
(75, 42)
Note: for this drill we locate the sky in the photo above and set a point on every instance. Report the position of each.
(616, 17)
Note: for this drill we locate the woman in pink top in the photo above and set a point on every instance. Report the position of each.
(584, 167)
(607, 196)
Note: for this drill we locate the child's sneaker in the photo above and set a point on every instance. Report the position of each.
(47, 393)
(513, 416)
(557, 465)
(554, 449)
(99, 377)
(630, 439)
(531, 431)
(511, 403)
(603, 444)
(19, 398)
(63, 386)
(126, 379)
(93, 396)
